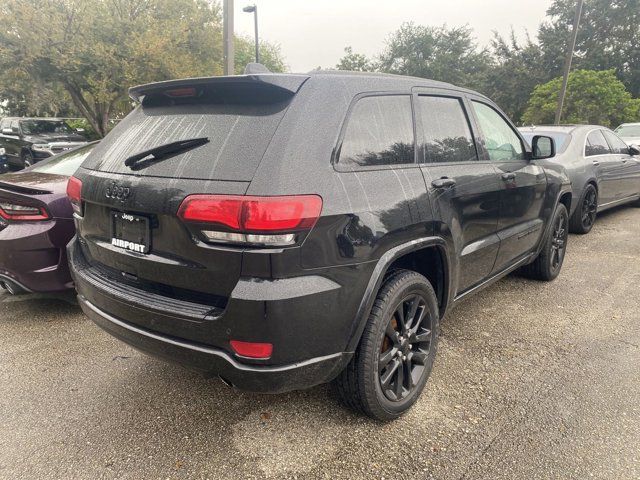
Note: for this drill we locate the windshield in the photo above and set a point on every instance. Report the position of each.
(65, 163)
(37, 127)
(559, 138)
(628, 131)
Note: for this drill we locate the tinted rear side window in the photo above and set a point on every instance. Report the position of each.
(379, 132)
(596, 144)
(446, 132)
(239, 135)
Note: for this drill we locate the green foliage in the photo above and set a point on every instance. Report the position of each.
(245, 52)
(355, 62)
(597, 98)
(89, 132)
(438, 53)
(608, 38)
(95, 50)
(514, 75)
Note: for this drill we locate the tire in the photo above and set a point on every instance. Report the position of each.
(27, 160)
(584, 217)
(377, 381)
(549, 263)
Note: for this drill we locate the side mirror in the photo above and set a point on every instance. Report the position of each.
(634, 150)
(543, 147)
(79, 130)
(7, 131)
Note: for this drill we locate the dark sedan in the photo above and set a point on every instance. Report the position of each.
(36, 223)
(604, 170)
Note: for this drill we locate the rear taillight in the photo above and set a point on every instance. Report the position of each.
(22, 213)
(260, 221)
(74, 192)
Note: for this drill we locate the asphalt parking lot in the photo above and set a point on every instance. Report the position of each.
(533, 380)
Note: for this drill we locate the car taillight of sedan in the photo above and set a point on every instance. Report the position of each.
(22, 213)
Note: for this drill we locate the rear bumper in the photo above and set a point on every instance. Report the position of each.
(33, 255)
(307, 319)
(263, 379)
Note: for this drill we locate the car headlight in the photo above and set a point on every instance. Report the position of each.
(41, 147)
(2, 151)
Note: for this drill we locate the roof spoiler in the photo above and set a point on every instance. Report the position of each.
(282, 83)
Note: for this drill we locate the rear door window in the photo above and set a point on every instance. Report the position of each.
(379, 132)
(445, 129)
(596, 144)
(238, 133)
(617, 145)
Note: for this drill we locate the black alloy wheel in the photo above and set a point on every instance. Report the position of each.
(584, 217)
(405, 348)
(559, 242)
(547, 265)
(397, 349)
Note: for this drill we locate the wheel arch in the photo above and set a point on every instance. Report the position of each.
(24, 150)
(428, 256)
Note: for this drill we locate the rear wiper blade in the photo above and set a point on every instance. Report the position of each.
(164, 151)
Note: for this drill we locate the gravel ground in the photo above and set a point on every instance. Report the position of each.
(533, 380)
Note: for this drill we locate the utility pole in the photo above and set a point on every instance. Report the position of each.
(227, 33)
(567, 61)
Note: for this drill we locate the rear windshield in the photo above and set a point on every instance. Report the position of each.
(238, 134)
(65, 163)
(559, 138)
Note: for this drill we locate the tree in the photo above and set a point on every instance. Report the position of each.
(355, 62)
(270, 55)
(438, 53)
(96, 49)
(608, 38)
(597, 98)
(515, 73)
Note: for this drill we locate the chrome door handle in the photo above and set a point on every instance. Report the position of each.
(595, 162)
(443, 182)
(508, 176)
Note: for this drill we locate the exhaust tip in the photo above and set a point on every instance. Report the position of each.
(225, 381)
(12, 288)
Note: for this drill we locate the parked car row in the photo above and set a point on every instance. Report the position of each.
(29, 140)
(604, 170)
(281, 231)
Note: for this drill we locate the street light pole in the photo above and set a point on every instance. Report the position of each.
(567, 62)
(254, 9)
(227, 40)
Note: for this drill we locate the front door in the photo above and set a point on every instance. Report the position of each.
(524, 185)
(464, 190)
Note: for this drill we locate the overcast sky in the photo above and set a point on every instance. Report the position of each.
(314, 33)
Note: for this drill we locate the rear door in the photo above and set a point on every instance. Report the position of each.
(630, 184)
(464, 190)
(523, 184)
(608, 167)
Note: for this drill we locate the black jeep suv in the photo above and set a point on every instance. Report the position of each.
(28, 140)
(282, 231)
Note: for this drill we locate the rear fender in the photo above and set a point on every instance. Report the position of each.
(378, 275)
